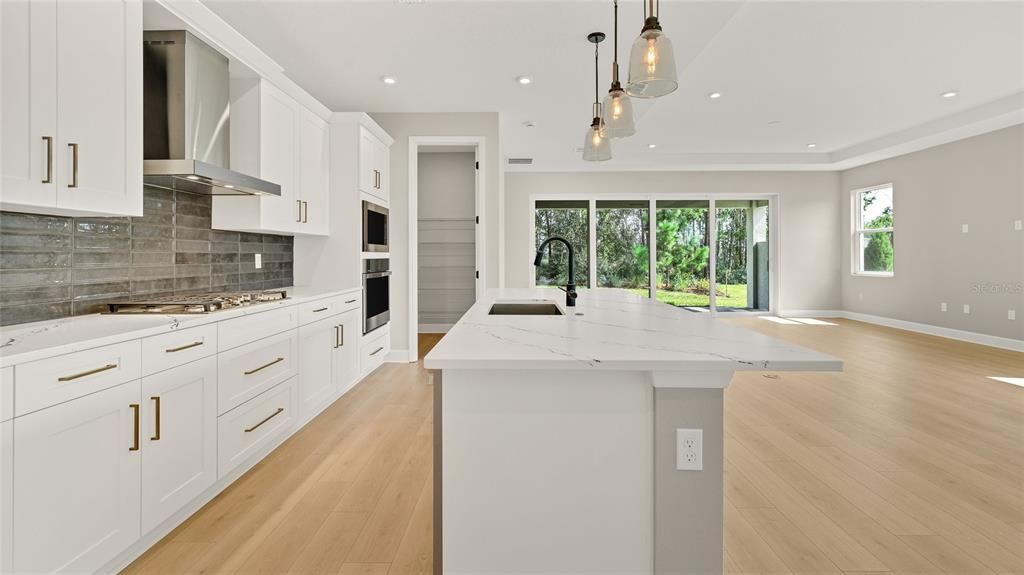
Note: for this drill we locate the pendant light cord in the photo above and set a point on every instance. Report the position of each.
(597, 87)
(616, 34)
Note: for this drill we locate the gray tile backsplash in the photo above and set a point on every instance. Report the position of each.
(52, 266)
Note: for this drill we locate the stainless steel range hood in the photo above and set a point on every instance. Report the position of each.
(186, 109)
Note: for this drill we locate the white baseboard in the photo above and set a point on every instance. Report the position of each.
(950, 333)
(397, 356)
(812, 313)
(435, 327)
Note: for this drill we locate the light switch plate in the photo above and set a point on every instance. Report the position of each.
(964, 228)
(1018, 225)
(259, 261)
(967, 308)
(1011, 314)
(943, 306)
(689, 449)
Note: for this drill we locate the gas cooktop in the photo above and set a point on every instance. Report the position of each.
(195, 303)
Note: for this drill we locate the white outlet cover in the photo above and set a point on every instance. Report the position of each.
(943, 306)
(1018, 225)
(690, 449)
(967, 308)
(259, 261)
(1011, 314)
(964, 228)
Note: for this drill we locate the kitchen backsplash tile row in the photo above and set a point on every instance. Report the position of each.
(54, 266)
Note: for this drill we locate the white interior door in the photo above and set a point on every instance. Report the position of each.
(92, 105)
(28, 60)
(77, 483)
(179, 438)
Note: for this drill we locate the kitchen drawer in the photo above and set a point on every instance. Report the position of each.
(240, 331)
(373, 350)
(247, 371)
(254, 425)
(47, 382)
(169, 350)
(318, 309)
(6, 393)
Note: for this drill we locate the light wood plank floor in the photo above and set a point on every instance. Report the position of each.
(911, 461)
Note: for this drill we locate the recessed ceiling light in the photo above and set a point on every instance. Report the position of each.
(389, 80)
(812, 145)
(715, 95)
(652, 146)
(949, 94)
(524, 80)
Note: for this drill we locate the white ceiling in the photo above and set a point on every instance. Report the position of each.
(856, 78)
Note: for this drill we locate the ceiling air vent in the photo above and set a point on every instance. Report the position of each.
(520, 161)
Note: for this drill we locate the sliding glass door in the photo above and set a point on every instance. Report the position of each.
(710, 254)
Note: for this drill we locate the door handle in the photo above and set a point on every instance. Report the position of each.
(305, 216)
(156, 401)
(341, 341)
(298, 218)
(336, 337)
(135, 441)
(49, 159)
(74, 165)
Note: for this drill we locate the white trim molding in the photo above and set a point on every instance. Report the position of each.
(397, 356)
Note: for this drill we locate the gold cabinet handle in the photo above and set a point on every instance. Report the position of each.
(49, 159)
(266, 419)
(156, 406)
(264, 366)
(135, 441)
(183, 347)
(74, 165)
(298, 218)
(318, 310)
(350, 301)
(305, 212)
(85, 373)
(341, 336)
(376, 351)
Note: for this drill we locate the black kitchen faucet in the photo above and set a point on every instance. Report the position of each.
(570, 288)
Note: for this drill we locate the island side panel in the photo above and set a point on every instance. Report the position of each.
(436, 378)
(547, 472)
(688, 505)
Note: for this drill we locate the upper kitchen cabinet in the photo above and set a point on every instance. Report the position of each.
(275, 138)
(374, 164)
(71, 107)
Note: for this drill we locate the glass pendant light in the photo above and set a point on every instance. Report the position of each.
(652, 63)
(618, 108)
(597, 147)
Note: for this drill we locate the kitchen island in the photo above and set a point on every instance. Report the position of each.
(556, 435)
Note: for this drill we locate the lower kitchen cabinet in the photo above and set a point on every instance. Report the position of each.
(6, 493)
(252, 427)
(179, 440)
(328, 359)
(77, 469)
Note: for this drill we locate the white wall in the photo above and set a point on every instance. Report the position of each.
(401, 127)
(808, 207)
(978, 181)
(447, 257)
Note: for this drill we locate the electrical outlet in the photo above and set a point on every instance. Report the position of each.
(964, 228)
(1018, 225)
(943, 306)
(1011, 314)
(259, 261)
(690, 449)
(967, 308)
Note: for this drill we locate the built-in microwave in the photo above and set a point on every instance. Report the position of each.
(375, 228)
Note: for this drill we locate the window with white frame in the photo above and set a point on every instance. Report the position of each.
(873, 238)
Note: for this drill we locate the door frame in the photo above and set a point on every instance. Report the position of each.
(774, 236)
(415, 142)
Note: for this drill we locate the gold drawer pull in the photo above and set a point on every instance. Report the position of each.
(49, 159)
(184, 347)
(85, 373)
(264, 366)
(350, 301)
(156, 401)
(376, 351)
(321, 309)
(135, 427)
(74, 165)
(268, 418)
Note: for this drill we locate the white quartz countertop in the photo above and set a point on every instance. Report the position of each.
(612, 330)
(44, 339)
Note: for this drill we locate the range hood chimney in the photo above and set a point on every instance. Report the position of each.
(186, 110)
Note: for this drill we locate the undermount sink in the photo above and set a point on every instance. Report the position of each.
(525, 308)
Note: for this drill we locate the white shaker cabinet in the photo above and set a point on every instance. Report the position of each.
(77, 478)
(179, 438)
(374, 165)
(6, 493)
(71, 107)
(329, 359)
(346, 356)
(313, 166)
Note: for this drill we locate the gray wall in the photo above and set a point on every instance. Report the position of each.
(54, 267)
(809, 228)
(401, 127)
(978, 181)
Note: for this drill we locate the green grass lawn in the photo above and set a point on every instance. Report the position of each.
(735, 295)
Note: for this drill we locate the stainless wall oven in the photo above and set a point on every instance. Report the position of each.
(376, 293)
(375, 228)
